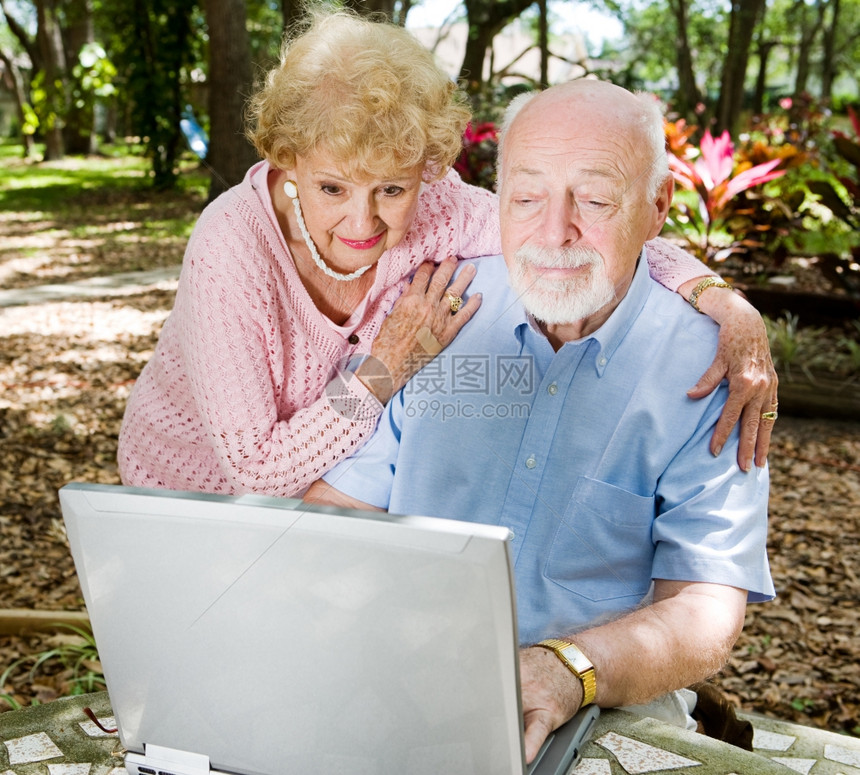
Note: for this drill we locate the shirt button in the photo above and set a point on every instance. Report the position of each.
(530, 461)
(353, 339)
(552, 389)
(601, 361)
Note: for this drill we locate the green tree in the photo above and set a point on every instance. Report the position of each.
(153, 56)
(687, 96)
(652, 59)
(744, 17)
(15, 82)
(44, 47)
(485, 19)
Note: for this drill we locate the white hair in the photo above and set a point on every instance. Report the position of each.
(511, 112)
(651, 122)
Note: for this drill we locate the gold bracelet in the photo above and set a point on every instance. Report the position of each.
(708, 282)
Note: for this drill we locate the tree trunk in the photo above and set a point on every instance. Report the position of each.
(371, 7)
(485, 19)
(17, 90)
(808, 32)
(79, 135)
(543, 43)
(764, 49)
(293, 10)
(230, 83)
(405, 7)
(51, 55)
(27, 43)
(828, 59)
(687, 97)
(744, 17)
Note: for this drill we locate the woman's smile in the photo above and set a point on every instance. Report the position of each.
(365, 244)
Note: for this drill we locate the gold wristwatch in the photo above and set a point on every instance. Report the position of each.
(578, 664)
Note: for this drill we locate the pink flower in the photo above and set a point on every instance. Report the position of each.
(711, 174)
(477, 134)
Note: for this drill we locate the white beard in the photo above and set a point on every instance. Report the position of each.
(560, 302)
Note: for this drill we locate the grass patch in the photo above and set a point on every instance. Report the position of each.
(97, 215)
(69, 184)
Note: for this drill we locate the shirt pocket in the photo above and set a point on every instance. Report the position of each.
(602, 549)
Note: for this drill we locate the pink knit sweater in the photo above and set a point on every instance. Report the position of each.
(243, 392)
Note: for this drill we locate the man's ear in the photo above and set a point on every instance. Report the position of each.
(662, 203)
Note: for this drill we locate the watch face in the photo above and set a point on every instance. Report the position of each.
(577, 659)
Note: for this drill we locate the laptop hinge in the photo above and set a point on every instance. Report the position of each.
(159, 760)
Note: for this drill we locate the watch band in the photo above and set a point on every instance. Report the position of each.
(578, 664)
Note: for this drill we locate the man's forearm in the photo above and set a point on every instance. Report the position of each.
(685, 635)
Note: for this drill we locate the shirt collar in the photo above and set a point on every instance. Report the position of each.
(610, 335)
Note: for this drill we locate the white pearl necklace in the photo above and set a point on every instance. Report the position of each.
(291, 190)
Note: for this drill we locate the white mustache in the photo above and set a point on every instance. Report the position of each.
(557, 258)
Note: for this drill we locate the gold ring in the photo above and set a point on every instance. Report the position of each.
(769, 415)
(455, 301)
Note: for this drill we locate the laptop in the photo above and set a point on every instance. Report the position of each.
(259, 636)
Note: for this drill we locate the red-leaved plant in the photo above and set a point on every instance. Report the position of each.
(712, 172)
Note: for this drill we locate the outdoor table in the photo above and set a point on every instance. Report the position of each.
(58, 739)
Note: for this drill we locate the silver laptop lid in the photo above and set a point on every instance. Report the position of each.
(275, 638)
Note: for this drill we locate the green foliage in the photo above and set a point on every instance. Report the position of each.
(851, 344)
(803, 704)
(812, 210)
(812, 348)
(154, 57)
(31, 120)
(74, 655)
(647, 55)
(783, 335)
(94, 74)
(47, 107)
(265, 32)
(841, 196)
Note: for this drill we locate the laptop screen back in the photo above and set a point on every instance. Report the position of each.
(274, 638)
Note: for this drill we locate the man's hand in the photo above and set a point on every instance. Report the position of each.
(323, 494)
(551, 695)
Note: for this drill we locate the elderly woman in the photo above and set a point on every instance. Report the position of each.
(295, 319)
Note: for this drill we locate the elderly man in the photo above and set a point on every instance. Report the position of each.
(559, 413)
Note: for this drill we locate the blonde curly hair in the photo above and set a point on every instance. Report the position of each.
(367, 93)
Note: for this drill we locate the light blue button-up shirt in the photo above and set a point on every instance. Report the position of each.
(593, 456)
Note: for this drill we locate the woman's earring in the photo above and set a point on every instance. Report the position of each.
(290, 189)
